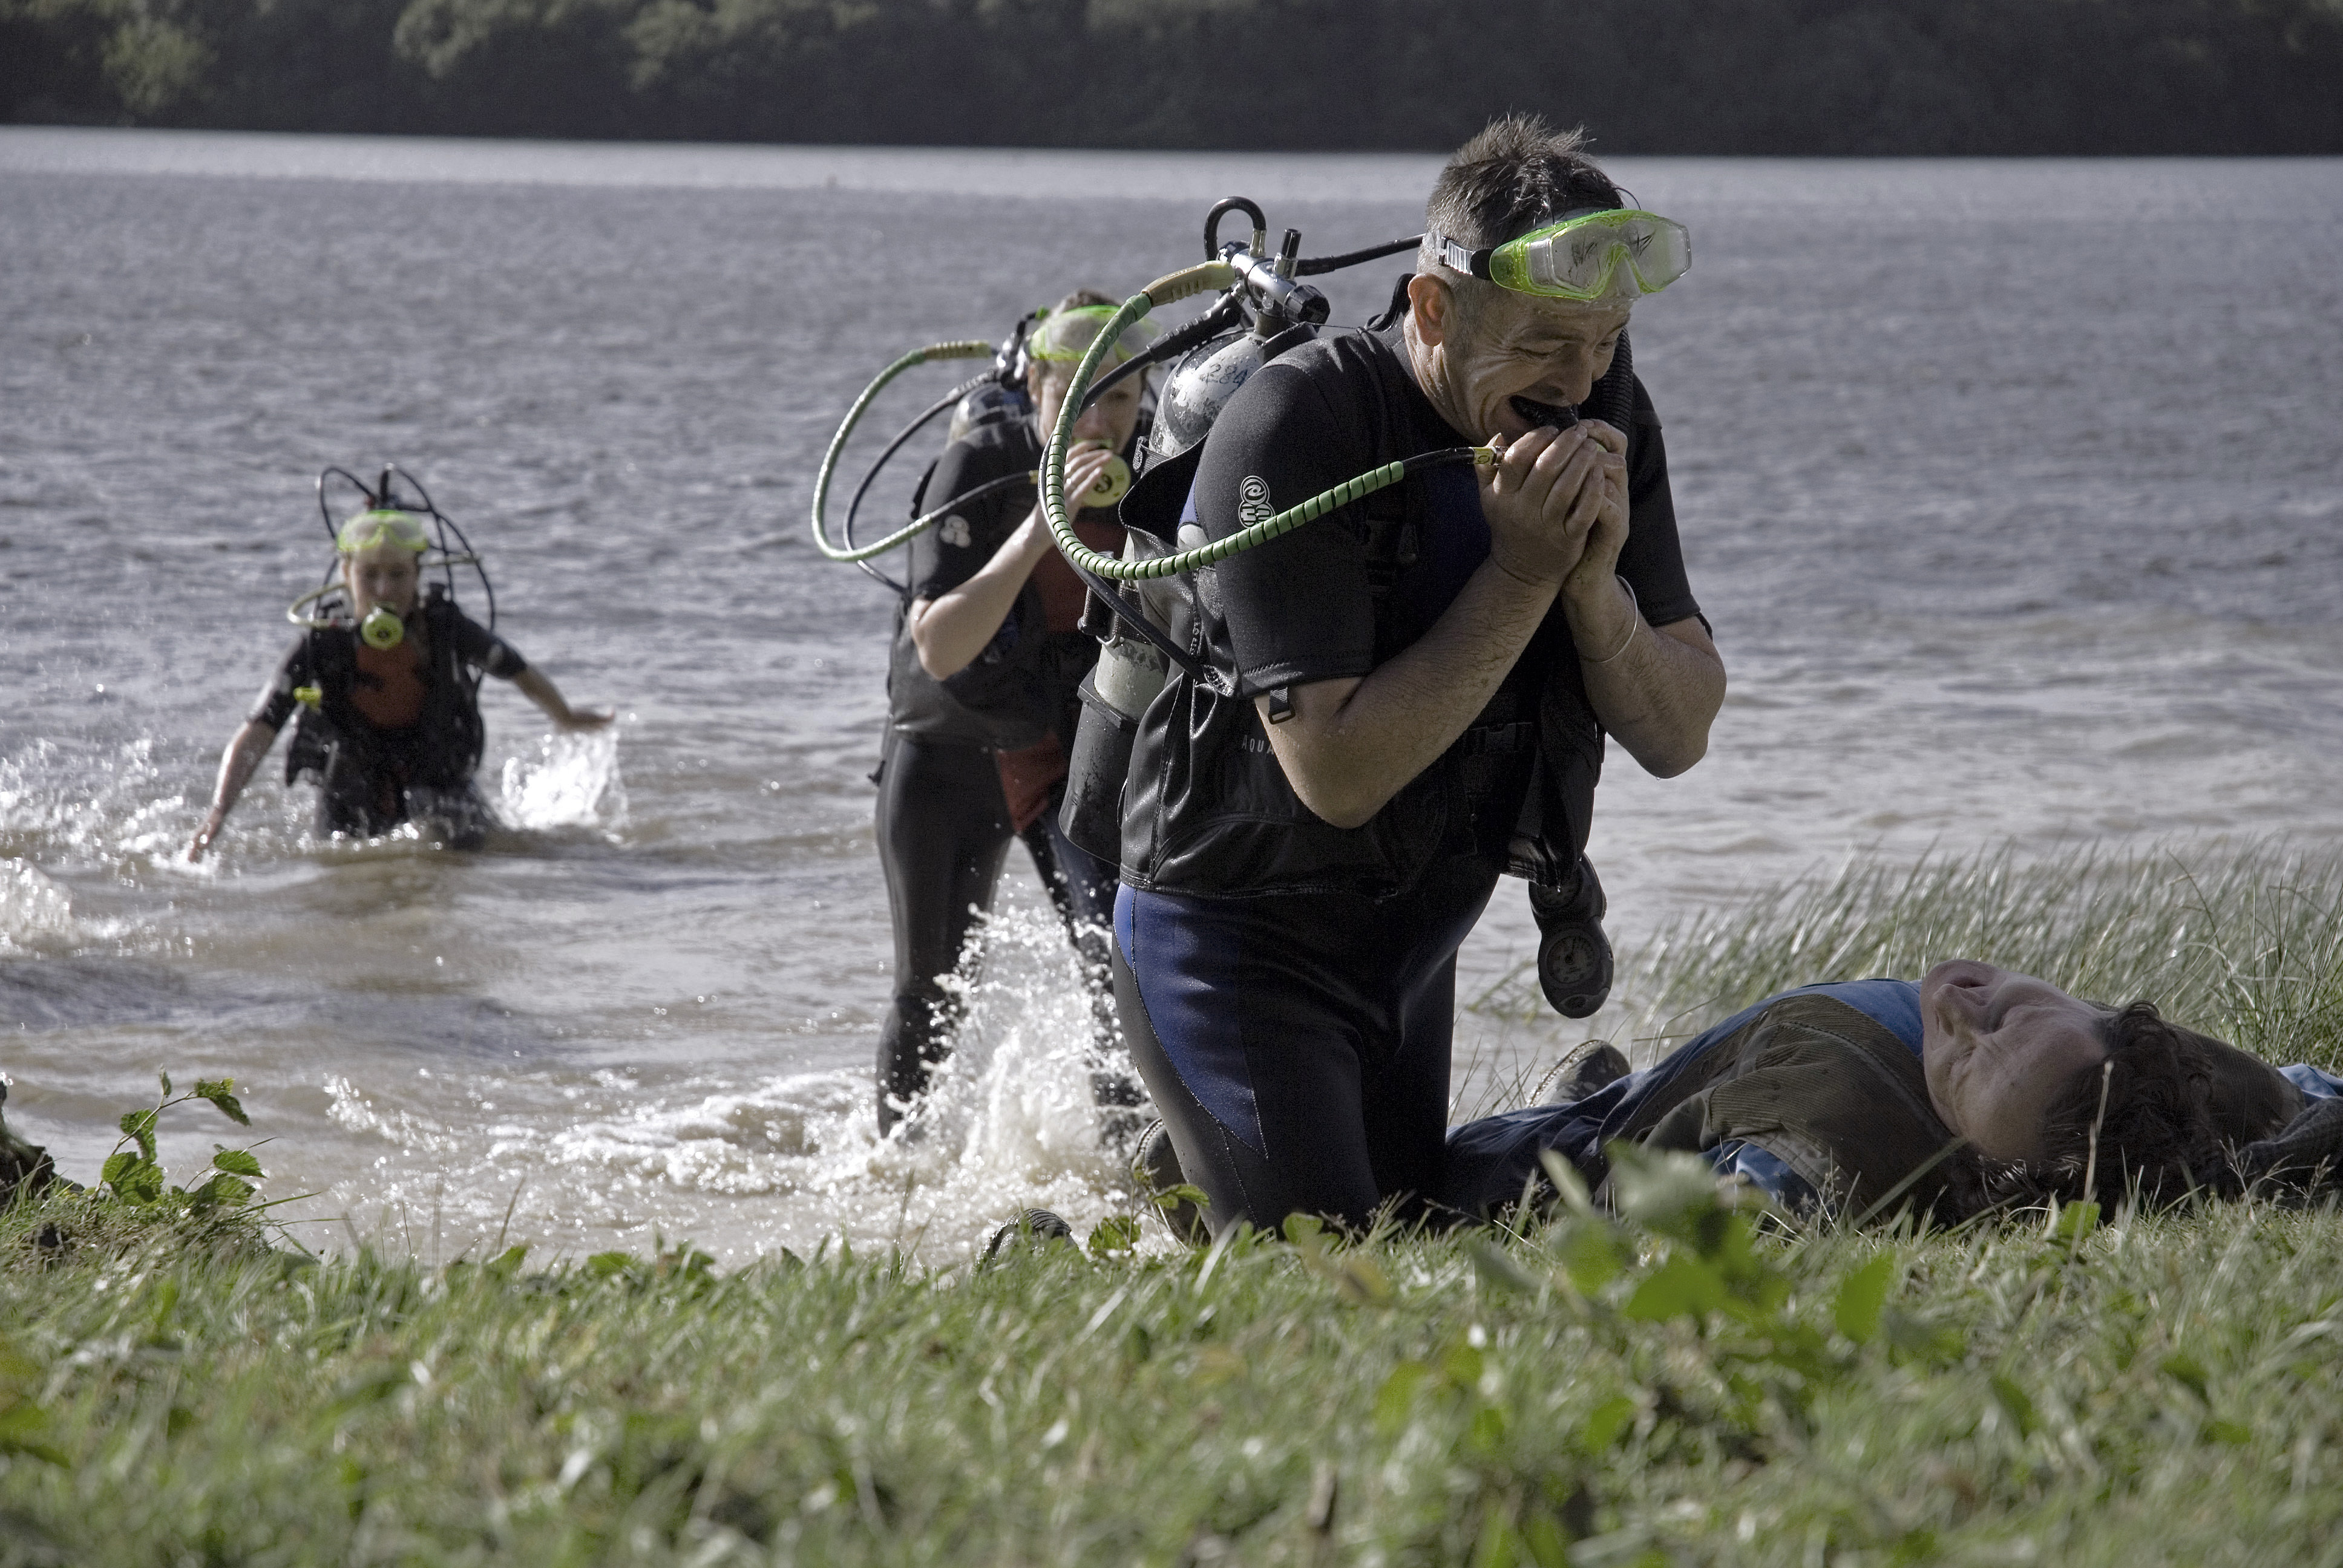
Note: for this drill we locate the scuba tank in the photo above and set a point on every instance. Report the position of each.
(1133, 669)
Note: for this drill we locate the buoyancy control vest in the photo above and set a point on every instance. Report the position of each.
(1201, 803)
(443, 746)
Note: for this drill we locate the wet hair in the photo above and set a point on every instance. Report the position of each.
(2140, 1122)
(1518, 173)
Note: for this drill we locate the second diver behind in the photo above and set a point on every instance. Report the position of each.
(980, 710)
(387, 694)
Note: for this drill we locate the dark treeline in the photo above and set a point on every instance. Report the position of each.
(1724, 76)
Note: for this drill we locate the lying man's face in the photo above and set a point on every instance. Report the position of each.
(1998, 1047)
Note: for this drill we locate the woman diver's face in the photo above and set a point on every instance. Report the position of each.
(385, 574)
(1998, 1047)
(1109, 421)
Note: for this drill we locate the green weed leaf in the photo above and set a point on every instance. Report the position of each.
(1591, 1255)
(2070, 1222)
(1114, 1236)
(603, 1265)
(2015, 1404)
(217, 1090)
(222, 1191)
(2227, 1432)
(2190, 1371)
(167, 1084)
(1396, 1398)
(1860, 1298)
(139, 1127)
(1681, 1286)
(1603, 1424)
(1568, 1184)
(1661, 1189)
(507, 1264)
(238, 1163)
(1500, 1272)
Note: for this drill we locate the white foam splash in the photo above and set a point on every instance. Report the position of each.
(573, 781)
(34, 912)
(1007, 1124)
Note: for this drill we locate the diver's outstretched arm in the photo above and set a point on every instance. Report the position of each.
(546, 695)
(238, 763)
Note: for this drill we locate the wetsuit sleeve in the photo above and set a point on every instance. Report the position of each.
(481, 648)
(277, 701)
(1296, 609)
(956, 548)
(1652, 560)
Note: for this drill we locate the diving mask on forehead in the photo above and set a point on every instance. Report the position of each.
(379, 526)
(1064, 336)
(1612, 253)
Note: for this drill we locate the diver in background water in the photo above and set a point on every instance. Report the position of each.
(389, 698)
(981, 705)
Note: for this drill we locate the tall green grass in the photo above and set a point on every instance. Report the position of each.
(2164, 1389)
(2244, 940)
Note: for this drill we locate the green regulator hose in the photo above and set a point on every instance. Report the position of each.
(1163, 291)
(965, 349)
(1177, 285)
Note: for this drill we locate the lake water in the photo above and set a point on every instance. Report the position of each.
(2014, 489)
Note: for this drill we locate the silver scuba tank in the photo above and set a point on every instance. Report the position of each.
(1199, 386)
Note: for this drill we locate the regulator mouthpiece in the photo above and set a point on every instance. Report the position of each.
(383, 629)
(1113, 483)
(1112, 487)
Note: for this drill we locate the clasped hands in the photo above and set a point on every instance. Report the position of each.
(1557, 504)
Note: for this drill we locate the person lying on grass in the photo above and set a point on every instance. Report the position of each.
(1974, 1089)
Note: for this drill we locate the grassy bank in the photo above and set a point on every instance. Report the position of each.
(1669, 1386)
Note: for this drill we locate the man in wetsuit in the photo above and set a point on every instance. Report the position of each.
(1417, 691)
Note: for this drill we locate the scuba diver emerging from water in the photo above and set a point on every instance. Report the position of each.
(387, 694)
(982, 707)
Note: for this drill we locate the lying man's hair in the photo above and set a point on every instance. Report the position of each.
(1503, 183)
(2141, 1122)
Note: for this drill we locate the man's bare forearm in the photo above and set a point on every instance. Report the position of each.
(1655, 688)
(1351, 745)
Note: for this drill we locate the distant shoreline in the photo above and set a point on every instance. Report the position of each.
(1672, 77)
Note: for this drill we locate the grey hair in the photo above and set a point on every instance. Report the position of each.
(1517, 173)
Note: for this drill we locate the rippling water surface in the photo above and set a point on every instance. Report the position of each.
(2013, 490)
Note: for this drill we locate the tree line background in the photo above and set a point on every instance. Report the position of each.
(1718, 76)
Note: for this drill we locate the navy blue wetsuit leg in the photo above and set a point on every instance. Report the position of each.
(1297, 1046)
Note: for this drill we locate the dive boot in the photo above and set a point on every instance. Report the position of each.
(1038, 1227)
(1156, 1168)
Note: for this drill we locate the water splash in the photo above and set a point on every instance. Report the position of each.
(573, 781)
(1009, 1125)
(35, 914)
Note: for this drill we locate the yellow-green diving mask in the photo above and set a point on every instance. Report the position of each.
(1587, 256)
(367, 529)
(1064, 336)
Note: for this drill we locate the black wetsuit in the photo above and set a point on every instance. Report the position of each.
(373, 776)
(1288, 987)
(954, 748)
